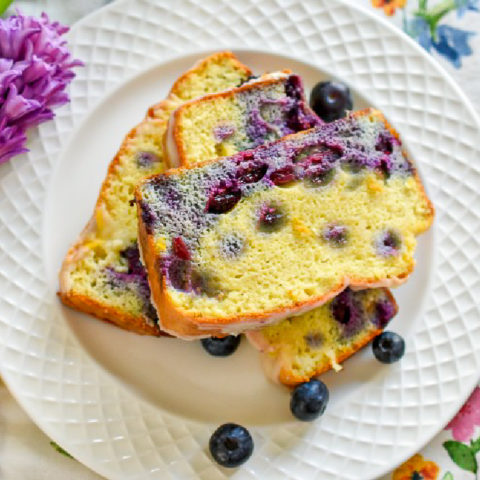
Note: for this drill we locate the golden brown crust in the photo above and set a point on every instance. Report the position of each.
(158, 116)
(289, 378)
(106, 313)
(159, 108)
(181, 323)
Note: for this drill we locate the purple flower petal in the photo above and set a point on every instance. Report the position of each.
(16, 106)
(35, 69)
(11, 141)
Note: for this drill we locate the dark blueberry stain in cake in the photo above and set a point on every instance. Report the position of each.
(132, 255)
(223, 198)
(355, 163)
(257, 128)
(231, 246)
(146, 159)
(294, 87)
(348, 312)
(283, 176)
(223, 131)
(388, 243)
(385, 142)
(320, 177)
(322, 154)
(386, 165)
(203, 284)
(251, 173)
(306, 153)
(178, 273)
(173, 198)
(336, 235)
(180, 250)
(271, 218)
(148, 218)
(298, 118)
(135, 276)
(314, 339)
(384, 311)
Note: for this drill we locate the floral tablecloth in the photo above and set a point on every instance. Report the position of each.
(449, 30)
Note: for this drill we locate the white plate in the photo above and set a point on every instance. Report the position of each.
(134, 407)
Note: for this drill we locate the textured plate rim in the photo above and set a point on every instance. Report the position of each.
(94, 15)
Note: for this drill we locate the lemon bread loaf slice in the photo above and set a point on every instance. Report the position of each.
(255, 237)
(102, 273)
(260, 111)
(299, 348)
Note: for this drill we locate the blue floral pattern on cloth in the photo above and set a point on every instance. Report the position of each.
(439, 27)
(425, 22)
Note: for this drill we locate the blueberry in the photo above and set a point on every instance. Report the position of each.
(336, 235)
(178, 272)
(271, 218)
(388, 347)
(388, 243)
(221, 347)
(330, 100)
(231, 445)
(146, 159)
(384, 311)
(223, 199)
(252, 173)
(283, 175)
(309, 400)
(203, 284)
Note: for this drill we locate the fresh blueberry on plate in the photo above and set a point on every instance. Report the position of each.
(330, 100)
(388, 347)
(221, 346)
(231, 445)
(309, 400)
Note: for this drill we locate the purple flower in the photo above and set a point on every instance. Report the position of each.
(35, 69)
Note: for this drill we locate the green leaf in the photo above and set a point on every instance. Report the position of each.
(462, 455)
(4, 4)
(475, 445)
(448, 476)
(59, 449)
(422, 5)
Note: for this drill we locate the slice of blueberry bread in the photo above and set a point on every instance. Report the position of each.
(252, 238)
(102, 273)
(299, 348)
(260, 111)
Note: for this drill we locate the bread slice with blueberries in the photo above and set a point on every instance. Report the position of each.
(260, 111)
(250, 239)
(302, 347)
(102, 274)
